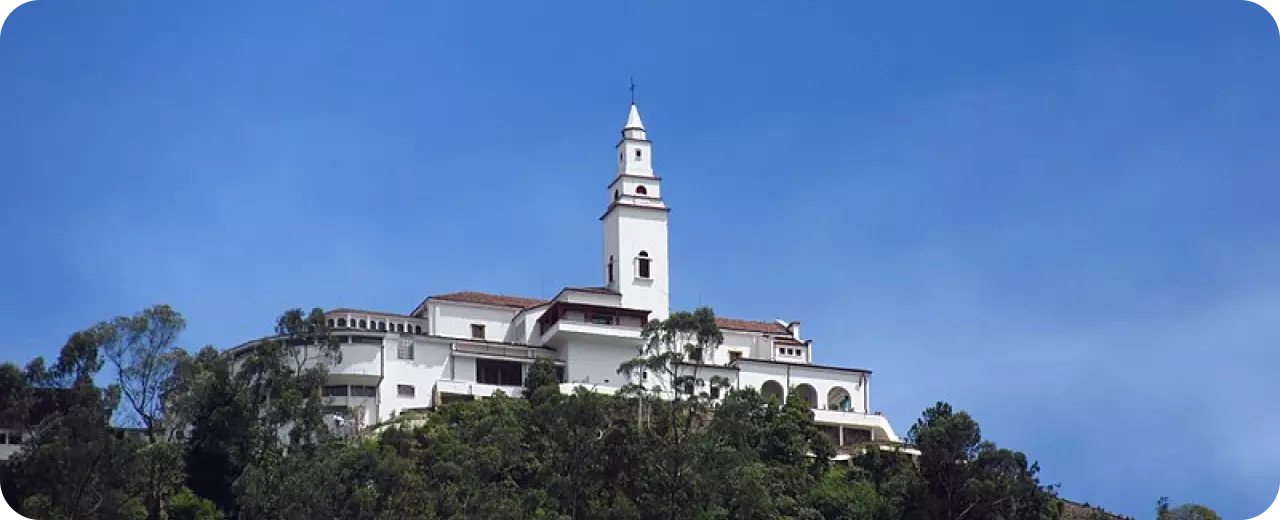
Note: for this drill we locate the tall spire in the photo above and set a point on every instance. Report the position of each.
(633, 122)
(634, 129)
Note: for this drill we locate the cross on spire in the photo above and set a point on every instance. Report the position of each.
(633, 90)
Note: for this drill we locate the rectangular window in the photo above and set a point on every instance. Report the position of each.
(406, 350)
(560, 374)
(643, 268)
(695, 354)
(477, 331)
(715, 392)
(404, 390)
(599, 319)
(335, 391)
(364, 391)
(494, 372)
(734, 356)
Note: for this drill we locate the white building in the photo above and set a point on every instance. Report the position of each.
(467, 345)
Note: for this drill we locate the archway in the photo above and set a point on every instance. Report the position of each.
(839, 399)
(808, 394)
(772, 389)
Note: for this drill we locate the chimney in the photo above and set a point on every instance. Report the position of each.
(793, 327)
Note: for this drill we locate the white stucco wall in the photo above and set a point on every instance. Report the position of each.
(8, 449)
(822, 380)
(524, 327)
(430, 358)
(455, 319)
(590, 298)
(753, 345)
(596, 363)
(639, 230)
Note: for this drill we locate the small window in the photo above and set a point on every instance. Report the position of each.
(688, 387)
(477, 331)
(642, 265)
(638, 154)
(599, 318)
(335, 391)
(363, 325)
(331, 323)
(641, 190)
(342, 322)
(734, 356)
(610, 269)
(382, 326)
(417, 329)
(715, 392)
(399, 327)
(364, 391)
(404, 390)
(696, 354)
(405, 351)
(617, 194)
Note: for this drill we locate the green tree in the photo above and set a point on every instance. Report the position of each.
(541, 382)
(245, 408)
(961, 476)
(1184, 511)
(142, 349)
(72, 464)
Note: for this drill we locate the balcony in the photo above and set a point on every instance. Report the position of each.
(564, 322)
(876, 423)
(473, 389)
(500, 350)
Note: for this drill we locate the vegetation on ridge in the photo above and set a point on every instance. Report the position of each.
(207, 444)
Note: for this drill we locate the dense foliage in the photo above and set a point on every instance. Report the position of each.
(209, 442)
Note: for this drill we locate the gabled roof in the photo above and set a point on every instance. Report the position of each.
(497, 300)
(764, 327)
(518, 302)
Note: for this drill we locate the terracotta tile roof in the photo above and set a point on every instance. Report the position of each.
(500, 300)
(489, 299)
(750, 326)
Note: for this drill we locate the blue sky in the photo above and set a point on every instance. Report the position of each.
(1062, 219)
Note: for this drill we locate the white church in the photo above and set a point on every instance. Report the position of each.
(469, 345)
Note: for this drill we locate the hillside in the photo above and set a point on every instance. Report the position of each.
(544, 454)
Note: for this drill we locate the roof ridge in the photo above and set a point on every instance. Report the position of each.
(522, 302)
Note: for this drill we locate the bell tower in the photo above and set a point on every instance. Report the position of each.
(635, 225)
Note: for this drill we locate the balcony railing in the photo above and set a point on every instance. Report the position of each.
(511, 351)
(590, 314)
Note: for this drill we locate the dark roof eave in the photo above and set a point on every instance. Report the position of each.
(804, 365)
